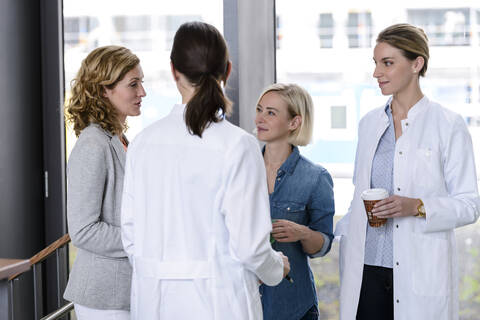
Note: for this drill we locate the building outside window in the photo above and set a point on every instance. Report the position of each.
(326, 30)
(444, 27)
(359, 29)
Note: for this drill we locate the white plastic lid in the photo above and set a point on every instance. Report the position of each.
(374, 194)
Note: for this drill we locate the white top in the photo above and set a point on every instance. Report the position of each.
(196, 222)
(434, 162)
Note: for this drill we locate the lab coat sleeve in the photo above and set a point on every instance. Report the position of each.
(87, 174)
(245, 205)
(341, 226)
(127, 216)
(461, 206)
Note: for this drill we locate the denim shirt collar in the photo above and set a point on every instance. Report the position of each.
(291, 162)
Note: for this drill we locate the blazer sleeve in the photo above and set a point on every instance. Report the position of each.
(86, 179)
(461, 206)
(245, 205)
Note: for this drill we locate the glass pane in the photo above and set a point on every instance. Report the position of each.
(327, 47)
(339, 117)
(145, 27)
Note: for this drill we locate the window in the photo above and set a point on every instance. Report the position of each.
(76, 31)
(171, 23)
(338, 117)
(134, 32)
(444, 27)
(359, 29)
(325, 30)
(278, 31)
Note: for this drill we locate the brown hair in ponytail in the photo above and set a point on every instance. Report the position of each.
(200, 53)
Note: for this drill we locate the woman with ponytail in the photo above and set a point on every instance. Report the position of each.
(195, 208)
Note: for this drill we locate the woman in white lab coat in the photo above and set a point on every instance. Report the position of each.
(422, 153)
(195, 210)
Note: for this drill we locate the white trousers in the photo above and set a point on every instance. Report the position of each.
(84, 313)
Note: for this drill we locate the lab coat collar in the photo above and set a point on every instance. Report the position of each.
(414, 111)
(178, 109)
(417, 108)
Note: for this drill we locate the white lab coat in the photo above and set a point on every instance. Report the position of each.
(434, 162)
(196, 223)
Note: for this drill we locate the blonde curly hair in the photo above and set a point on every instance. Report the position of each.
(103, 68)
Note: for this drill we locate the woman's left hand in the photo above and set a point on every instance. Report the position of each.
(396, 206)
(288, 231)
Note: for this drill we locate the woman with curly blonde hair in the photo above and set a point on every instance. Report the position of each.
(107, 89)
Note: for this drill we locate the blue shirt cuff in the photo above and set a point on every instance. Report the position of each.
(324, 250)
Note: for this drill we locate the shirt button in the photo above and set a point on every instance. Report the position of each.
(288, 209)
(406, 123)
(278, 179)
(398, 301)
(400, 153)
(398, 263)
(398, 189)
(397, 226)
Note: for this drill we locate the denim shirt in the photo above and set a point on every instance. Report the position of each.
(303, 193)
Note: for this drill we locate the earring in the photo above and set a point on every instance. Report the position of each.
(414, 71)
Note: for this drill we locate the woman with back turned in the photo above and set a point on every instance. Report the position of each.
(195, 213)
(421, 154)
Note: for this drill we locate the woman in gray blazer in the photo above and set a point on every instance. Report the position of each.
(107, 89)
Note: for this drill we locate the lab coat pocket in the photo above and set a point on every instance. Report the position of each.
(430, 265)
(290, 210)
(428, 169)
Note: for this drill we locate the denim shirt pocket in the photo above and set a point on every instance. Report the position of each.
(289, 210)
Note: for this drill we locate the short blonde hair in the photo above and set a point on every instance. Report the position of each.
(299, 103)
(411, 40)
(103, 68)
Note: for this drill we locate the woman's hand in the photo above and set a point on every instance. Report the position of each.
(396, 206)
(288, 231)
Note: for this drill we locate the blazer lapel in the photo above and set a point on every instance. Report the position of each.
(119, 150)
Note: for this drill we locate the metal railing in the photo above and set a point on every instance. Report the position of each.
(36, 264)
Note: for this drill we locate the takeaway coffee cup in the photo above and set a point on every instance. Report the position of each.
(370, 197)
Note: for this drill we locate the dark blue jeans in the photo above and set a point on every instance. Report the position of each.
(311, 314)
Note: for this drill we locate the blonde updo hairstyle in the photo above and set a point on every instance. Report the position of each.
(411, 40)
(299, 103)
(103, 68)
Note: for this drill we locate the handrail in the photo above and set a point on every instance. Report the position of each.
(60, 312)
(42, 255)
(45, 253)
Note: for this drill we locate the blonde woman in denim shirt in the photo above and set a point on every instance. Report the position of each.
(301, 199)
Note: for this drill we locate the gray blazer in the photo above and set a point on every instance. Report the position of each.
(101, 275)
